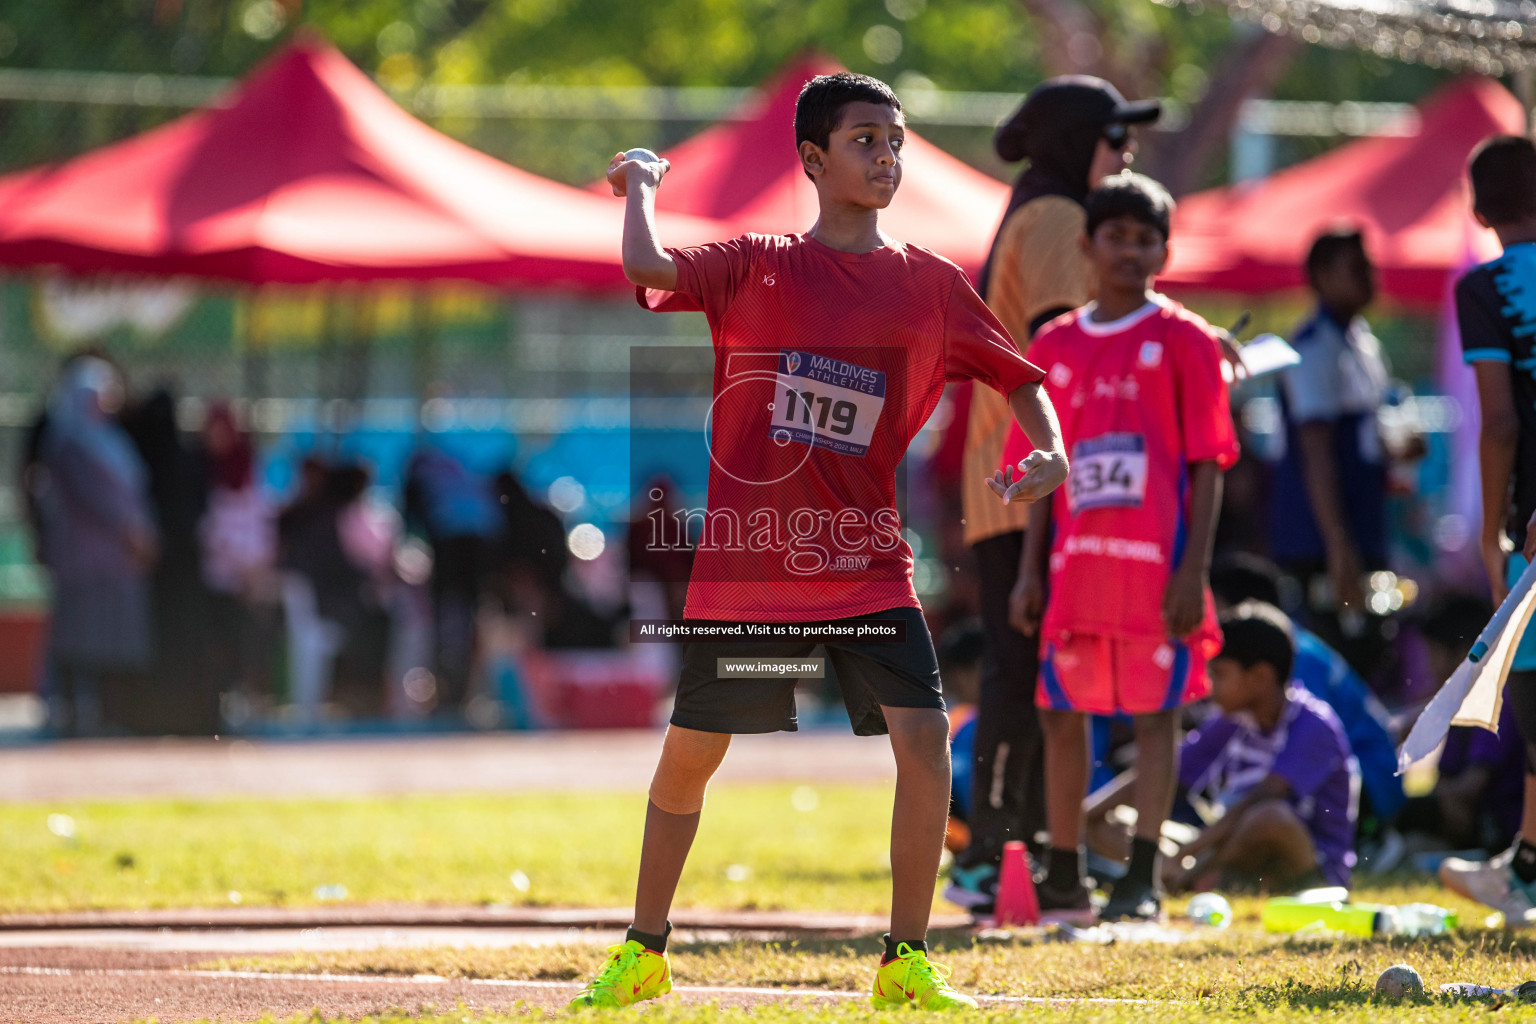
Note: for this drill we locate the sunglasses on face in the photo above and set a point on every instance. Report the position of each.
(1117, 135)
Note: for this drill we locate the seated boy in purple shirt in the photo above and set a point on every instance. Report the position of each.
(1275, 761)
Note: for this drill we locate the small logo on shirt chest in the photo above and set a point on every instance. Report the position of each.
(1114, 388)
(1151, 354)
(768, 280)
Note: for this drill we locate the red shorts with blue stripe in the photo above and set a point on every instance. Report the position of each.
(1106, 675)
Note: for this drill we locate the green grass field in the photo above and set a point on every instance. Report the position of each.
(1243, 965)
(759, 847)
(783, 847)
(1240, 975)
(821, 848)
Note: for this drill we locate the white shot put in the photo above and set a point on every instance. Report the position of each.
(1211, 909)
(1398, 981)
(637, 155)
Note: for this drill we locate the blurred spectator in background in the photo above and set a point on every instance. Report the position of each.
(455, 510)
(183, 697)
(534, 558)
(533, 539)
(99, 543)
(1476, 802)
(30, 477)
(312, 473)
(1276, 765)
(369, 531)
(1329, 518)
(657, 559)
(321, 587)
(239, 548)
(30, 473)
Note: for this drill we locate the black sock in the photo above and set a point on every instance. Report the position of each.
(1143, 866)
(654, 943)
(1063, 868)
(892, 944)
(1525, 861)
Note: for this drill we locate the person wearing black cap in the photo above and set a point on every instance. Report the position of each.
(1074, 131)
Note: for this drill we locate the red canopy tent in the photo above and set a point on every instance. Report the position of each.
(311, 173)
(1407, 194)
(745, 172)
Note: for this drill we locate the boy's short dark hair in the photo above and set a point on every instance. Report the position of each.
(1240, 577)
(1130, 195)
(1255, 633)
(1503, 173)
(1329, 246)
(820, 106)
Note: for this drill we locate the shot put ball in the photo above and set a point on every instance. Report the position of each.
(1400, 980)
(1210, 908)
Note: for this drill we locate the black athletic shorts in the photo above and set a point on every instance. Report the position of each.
(897, 674)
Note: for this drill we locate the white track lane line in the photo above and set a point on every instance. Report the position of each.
(435, 979)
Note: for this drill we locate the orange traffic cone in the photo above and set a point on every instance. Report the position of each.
(1016, 902)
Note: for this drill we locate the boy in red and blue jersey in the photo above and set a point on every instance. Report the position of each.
(1130, 622)
(832, 348)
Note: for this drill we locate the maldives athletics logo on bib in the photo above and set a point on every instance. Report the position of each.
(825, 403)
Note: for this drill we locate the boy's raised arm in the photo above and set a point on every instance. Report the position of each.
(636, 175)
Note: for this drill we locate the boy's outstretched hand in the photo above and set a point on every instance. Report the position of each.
(1040, 473)
(1184, 600)
(639, 165)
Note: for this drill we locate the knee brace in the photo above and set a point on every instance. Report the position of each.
(683, 774)
(676, 791)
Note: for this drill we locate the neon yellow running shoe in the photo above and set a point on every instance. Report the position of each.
(630, 974)
(911, 979)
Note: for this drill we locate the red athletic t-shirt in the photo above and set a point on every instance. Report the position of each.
(1139, 399)
(827, 363)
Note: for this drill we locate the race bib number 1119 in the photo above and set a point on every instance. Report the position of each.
(825, 402)
(1108, 471)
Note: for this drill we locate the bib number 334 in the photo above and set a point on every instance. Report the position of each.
(1108, 471)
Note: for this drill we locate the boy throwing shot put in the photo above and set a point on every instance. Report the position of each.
(832, 348)
(1130, 621)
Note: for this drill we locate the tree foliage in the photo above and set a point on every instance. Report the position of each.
(991, 45)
